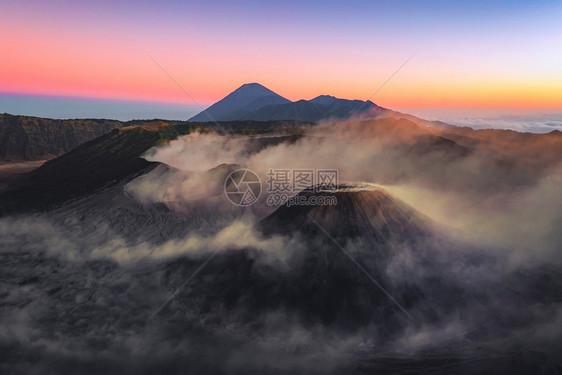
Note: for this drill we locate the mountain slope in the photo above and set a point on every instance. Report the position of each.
(247, 98)
(321, 285)
(313, 111)
(102, 162)
(362, 209)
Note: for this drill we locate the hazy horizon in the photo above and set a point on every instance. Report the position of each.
(534, 120)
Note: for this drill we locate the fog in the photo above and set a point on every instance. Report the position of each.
(540, 120)
(485, 283)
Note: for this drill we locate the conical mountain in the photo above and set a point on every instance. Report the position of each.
(349, 211)
(322, 284)
(247, 98)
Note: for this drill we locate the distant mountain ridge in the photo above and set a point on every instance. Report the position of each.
(30, 138)
(33, 138)
(25, 138)
(255, 102)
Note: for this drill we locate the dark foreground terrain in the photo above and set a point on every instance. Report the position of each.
(124, 255)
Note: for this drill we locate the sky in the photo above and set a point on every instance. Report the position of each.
(478, 54)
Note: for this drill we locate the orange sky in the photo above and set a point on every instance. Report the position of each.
(71, 51)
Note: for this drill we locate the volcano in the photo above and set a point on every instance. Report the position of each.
(247, 98)
(356, 210)
(255, 102)
(321, 284)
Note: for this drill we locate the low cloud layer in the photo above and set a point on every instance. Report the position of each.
(83, 289)
(533, 121)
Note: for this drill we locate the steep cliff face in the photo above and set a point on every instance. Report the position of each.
(32, 138)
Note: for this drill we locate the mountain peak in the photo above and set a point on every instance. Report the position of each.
(253, 84)
(247, 98)
(324, 99)
(253, 89)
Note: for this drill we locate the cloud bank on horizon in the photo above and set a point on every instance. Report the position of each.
(523, 120)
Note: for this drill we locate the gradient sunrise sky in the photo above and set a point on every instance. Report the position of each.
(467, 54)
